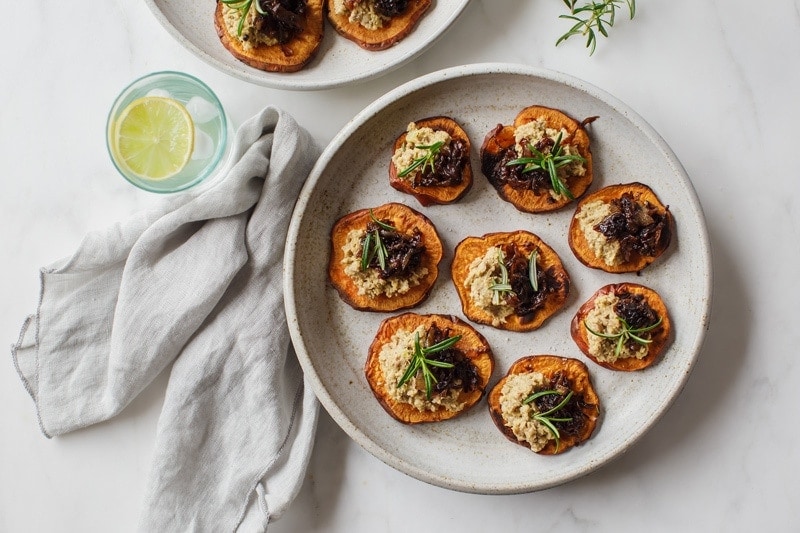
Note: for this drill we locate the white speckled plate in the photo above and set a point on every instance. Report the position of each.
(338, 61)
(468, 453)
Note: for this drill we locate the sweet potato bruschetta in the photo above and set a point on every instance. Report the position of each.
(427, 368)
(546, 403)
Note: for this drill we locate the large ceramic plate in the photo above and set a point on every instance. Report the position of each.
(468, 453)
(338, 61)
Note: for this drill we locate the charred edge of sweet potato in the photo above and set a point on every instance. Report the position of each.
(472, 344)
(580, 246)
(404, 219)
(660, 336)
(473, 247)
(548, 365)
(502, 137)
(428, 195)
(396, 30)
(289, 57)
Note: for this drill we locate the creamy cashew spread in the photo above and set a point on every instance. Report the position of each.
(518, 416)
(249, 37)
(368, 281)
(361, 12)
(394, 359)
(410, 150)
(603, 319)
(588, 217)
(536, 130)
(484, 272)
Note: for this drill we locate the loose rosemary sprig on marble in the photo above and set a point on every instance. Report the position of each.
(593, 15)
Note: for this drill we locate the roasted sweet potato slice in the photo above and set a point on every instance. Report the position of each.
(497, 143)
(586, 409)
(393, 31)
(656, 235)
(658, 337)
(522, 242)
(472, 345)
(405, 220)
(434, 194)
(289, 57)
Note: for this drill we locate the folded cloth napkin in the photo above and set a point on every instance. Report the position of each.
(196, 282)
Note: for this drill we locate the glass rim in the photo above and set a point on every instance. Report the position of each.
(216, 157)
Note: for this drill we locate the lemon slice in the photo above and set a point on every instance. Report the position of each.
(153, 138)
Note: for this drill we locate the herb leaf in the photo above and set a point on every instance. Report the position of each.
(426, 160)
(420, 361)
(372, 245)
(533, 274)
(502, 287)
(545, 417)
(551, 162)
(626, 334)
(593, 15)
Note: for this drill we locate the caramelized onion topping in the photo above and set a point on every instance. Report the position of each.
(282, 19)
(639, 228)
(403, 252)
(463, 376)
(523, 298)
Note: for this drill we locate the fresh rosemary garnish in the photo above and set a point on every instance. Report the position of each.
(545, 417)
(426, 160)
(503, 287)
(597, 15)
(420, 361)
(551, 162)
(533, 274)
(626, 334)
(373, 245)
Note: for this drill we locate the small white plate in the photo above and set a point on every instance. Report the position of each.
(338, 62)
(468, 453)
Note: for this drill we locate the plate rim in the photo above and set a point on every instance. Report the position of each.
(285, 80)
(381, 103)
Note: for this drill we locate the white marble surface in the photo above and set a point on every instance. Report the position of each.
(717, 79)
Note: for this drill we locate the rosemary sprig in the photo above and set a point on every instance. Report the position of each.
(533, 274)
(503, 287)
(419, 361)
(373, 245)
(426, 160)
(626, 334)
(551, 162)
(593, 15)
(545, 417)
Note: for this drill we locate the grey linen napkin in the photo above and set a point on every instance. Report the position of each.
(196, 282)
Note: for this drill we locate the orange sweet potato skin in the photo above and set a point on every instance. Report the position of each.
(289, 57)
(549, 365)
(395, 30)
(583, 251)
(660, 336)
(405, 220)
(428, 195)
(502, 137)
(472, 344)
(473, 247)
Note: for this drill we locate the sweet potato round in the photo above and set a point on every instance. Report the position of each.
(472, 344)
(659, 336)
(289, 57)
(427, 195)
(391, 33)
(583, 251)
(404, 219)
(549, 365)
(473, 247)
(502, 138)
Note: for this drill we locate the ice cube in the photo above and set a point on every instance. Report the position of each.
(203, 145)
(201, 110)
(163, 93)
